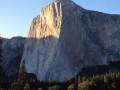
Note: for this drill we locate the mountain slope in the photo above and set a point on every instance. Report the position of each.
(12, 54)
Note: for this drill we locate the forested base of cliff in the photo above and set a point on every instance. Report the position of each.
(101, 77)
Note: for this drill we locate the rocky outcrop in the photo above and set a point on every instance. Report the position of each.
(64, 38)
(12, 54)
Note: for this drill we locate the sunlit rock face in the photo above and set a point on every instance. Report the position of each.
(12, 54)
(64, 38)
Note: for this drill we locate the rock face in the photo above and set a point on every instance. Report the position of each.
(12, 54)
(64, 38)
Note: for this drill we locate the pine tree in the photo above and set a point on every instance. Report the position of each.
(19, 85)
(0, 57)
(72, 87)
(27, 86)
(106, 78)
(65, 80)
(79, 79)
(114, 85)
(75, 80)
(113, 77)
(118, 76)
(22, 71)
(84, 78)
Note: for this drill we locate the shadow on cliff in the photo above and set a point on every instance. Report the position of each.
(15, 64)
(46, 40)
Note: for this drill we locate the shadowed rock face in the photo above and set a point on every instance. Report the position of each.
(64, 38)
(12, 54)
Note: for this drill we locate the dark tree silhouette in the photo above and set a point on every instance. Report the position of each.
(22, 71)
(19, 85)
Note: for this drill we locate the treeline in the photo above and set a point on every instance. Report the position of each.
(109, 81)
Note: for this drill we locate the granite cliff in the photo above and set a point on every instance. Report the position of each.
(65, 37)
(12, 54)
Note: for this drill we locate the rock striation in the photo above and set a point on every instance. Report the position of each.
(12, 54)
(65, 37)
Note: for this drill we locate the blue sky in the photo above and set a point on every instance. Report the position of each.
(16, 15)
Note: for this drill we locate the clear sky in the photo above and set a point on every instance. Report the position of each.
(16, 15)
